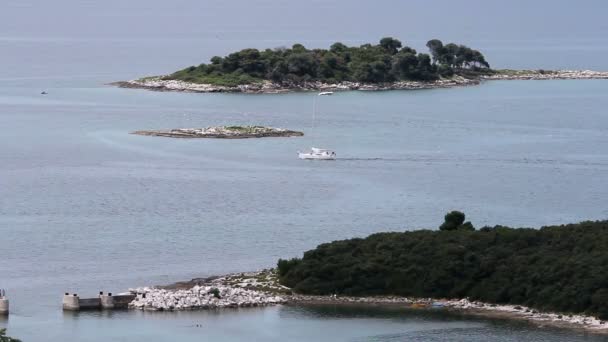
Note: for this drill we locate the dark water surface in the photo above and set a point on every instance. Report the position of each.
(84, 206)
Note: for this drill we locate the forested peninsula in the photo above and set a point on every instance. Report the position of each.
(4, 338)
(556, 268)
(386, 65)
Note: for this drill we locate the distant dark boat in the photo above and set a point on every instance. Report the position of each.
(44, 93)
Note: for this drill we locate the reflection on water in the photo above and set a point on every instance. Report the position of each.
(304, 323)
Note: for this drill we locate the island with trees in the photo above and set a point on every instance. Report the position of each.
(386, 65)
(561, 269)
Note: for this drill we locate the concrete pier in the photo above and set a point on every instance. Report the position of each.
(71, 302)
(3, 303)
(102, 302)
(4, 307)
(107, 301)
(89, 303)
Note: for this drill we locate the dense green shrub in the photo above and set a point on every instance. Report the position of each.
(4, 338)
(453, 220)
(558, 268)
(386, 62)
(284, 266)
(215, 292)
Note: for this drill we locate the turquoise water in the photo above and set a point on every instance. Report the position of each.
(84, 206)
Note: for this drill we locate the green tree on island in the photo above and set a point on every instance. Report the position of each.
(388, 61)
(4, 338)
(454, 220)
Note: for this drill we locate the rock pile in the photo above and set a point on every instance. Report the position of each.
(200, 297)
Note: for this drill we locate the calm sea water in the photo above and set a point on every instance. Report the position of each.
(84, 206)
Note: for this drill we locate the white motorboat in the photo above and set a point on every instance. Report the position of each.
(318, 153)
(326, 93)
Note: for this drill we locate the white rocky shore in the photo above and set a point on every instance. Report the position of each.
(518, 311)
(160, 83)
(469, 307)
(200, 297)
(223, 132)
(230, 291)
(268, 87)
(262, 288)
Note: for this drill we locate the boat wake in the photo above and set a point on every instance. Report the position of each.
(505, 161)
(372, 159)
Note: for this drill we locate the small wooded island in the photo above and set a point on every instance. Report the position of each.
(223, 132)
(562, 269)
(386, 65)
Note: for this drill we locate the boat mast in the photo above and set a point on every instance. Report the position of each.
(312, 126)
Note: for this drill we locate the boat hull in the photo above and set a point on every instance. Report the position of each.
(317, 155)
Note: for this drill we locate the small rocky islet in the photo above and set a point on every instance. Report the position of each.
(223, 132)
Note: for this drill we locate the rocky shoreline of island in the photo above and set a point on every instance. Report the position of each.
(162, 83)
(268, 87)
(222, 132)
(262, 288)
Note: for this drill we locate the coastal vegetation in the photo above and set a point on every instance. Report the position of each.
(555, 268)
(387, 61)
(4, 338)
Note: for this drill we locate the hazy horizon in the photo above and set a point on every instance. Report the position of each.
(82, 37)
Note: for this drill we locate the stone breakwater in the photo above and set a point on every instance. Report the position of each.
(161, 83)
(223, 132)
(200, 297)
(249, 289)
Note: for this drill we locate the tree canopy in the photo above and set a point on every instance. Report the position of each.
(4, 338)
(558, 268)
(388, 61)
(455, 220)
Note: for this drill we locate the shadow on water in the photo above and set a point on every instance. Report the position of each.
(351, 311)
(439, 323)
